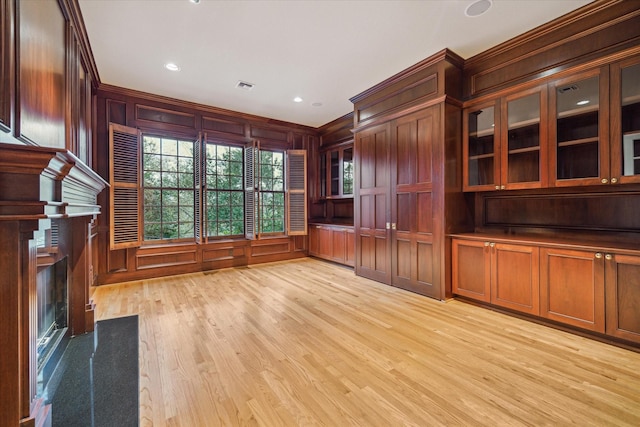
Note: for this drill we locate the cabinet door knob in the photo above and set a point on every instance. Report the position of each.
(598, 255)
(486, 243)
(492, 244)
(393, 225)
(614, 180)
(604, 180)
(502, 187)
(388, 225)
(497, 187)
(608, 257)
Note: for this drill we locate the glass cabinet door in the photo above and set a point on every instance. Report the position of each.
(522, 157)
(323, 175)
(578, 151)
(347, 171)
(628, 154)
(334, 164)
(481, 162)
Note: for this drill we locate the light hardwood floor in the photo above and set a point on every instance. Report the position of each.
(305, 343)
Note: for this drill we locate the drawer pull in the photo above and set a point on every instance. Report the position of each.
(598, 255)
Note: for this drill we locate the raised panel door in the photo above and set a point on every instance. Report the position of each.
(622, 273)
(325, 246)
(515, 277)
(572, 287)
(371, 204)
(413, 140)
(350, 248)
(471, 269)
(338, 245)
(314, 240)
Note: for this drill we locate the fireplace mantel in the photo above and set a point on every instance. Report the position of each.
(39, 183)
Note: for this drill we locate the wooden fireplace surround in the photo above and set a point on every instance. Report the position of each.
(38, 183)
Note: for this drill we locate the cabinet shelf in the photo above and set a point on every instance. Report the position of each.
(525, 150)
(482, 133)
(578, 142)
(631, 99)
(524, 123)
(578, 111)
(481, 156)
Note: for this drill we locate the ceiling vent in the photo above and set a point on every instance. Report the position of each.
(244, 85)
(567, 89)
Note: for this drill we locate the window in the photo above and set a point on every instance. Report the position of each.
(224, 203)
(168, 188)
(271, 192)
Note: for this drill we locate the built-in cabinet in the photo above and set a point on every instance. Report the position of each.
(394, 208)
(408, 190)
(503, 274)
(572, 287)
(589, 287)
(580, 128)
(332, 242)
(336, 172)
(506, 146)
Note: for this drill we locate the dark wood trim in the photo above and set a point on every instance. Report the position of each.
(119, 93)
(443, 55)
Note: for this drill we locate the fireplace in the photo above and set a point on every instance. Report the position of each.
(48, 208)
(52, 318)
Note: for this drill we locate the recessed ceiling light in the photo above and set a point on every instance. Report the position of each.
(297, 99)
(583, 102)
(171, 66)
(195, 1)
(478, 8)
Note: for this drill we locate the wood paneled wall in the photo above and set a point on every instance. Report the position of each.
(166, 116)
(47, 79)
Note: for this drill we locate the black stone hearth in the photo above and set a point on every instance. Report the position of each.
(96, 381)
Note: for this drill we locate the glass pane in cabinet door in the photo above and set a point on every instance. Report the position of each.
(481, 146)
(335, 173)
(524, 139)
(631, 120)
(347, 171)
(323, 175)
(578, 154)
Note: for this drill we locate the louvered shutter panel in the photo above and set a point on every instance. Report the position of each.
(296, 192)
(199, 222)
(124, 194)
(250, 181)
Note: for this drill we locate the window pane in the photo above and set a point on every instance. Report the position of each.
(167, 167)
(151, 144)
(169, 164)
(170, 147)
(169, 179)
(224, 173)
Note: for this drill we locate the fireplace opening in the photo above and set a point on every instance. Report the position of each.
(52, 309)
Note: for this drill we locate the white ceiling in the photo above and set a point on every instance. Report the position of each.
(323, 51)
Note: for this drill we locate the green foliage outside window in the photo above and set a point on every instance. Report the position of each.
(271, 203)
(168, 188)
(225, 191)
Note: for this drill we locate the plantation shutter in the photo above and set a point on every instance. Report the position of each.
(250, 184)
(199, 181)
(124, 193)
(296, 192)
